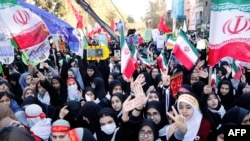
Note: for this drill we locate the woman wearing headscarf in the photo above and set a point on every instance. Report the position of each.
(226, 93)
(89, 114)
(116, 101)
(25, 80)
(81, 134)
(237, 115)
(190, 123)
(74, 72)
(213, 110)
(70, 112)
(156, 112)
(16, 88)
(108, 124)
(98, 85)
(6, 112)
(92, 72)
(12, 133)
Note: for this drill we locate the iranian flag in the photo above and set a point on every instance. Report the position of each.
(127, 63)
(162, 61)
(145, 61)
(27, 29)
(135, 55)
(170, 43)
(214, 80)
(229, 30)
(184, 51)
(236, 69)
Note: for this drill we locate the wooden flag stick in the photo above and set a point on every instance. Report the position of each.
(210, 75)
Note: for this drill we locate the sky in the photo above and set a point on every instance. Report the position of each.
(134, 8)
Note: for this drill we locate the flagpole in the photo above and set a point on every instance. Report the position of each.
(171, 54)
(210, 75)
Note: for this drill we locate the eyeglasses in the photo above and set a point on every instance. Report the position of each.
(148, 133)
(154, 114)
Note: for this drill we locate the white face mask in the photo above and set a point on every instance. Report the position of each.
(73, 92)
(108, 128)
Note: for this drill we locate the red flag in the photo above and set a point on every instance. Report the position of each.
(112, 26)
(78, 16)
(163, 27)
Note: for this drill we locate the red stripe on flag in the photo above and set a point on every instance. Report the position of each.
(237, 50)
(31, 36)
(182, 57)
(130, 68)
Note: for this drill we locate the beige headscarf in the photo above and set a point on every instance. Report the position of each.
(6, 112)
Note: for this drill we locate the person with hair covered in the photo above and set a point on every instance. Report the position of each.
(59, 130)
(80, 134)
(12, 133)
(38, 124)
(189, 122)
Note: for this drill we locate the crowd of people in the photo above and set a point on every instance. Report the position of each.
(67, 98)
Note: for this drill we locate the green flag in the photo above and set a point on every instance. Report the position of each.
(1, 68)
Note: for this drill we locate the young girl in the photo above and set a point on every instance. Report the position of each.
(190, 123)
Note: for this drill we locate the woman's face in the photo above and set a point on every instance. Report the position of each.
(41, 90)
(186, 110)
(116, 103)
(56, 84)
(5, 100)
(153, 114)
(29, 93)
(146, 134)
(224, 89)
(29, 79)
(194, 78)
(110, 78)
(153, 97)
(106, 120)
(154, 72)
(117, 89)
(70, 73)
(212, 101)
(91, 95)
(246, 120)
(90, 72)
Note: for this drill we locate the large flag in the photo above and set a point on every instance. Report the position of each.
(184, 51)
(77, 15)
(27, 29)
(236, 69)
(163, 27)
(55, 25)
(127, 63)
(162, 61)
(229, 30)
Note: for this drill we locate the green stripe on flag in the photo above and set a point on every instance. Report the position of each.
(8, 1)
(1, 68)
(184, 36)
(241, 5)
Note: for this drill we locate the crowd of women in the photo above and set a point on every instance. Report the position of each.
(67, 98)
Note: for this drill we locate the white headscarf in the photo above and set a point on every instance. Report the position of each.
(193, 124)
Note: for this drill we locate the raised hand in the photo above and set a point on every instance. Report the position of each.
(165, 77)
(63, 112)
(207, 89)
(179, 120)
